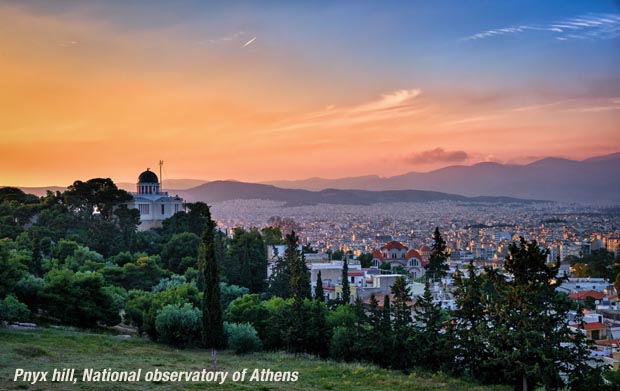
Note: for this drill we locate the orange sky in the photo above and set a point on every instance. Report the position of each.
(84, 97)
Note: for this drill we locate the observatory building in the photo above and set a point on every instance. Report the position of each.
(154, 205)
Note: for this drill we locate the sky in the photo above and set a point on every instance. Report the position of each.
(267, 90)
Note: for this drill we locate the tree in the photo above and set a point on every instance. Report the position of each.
(280, 279)
(11, 271)
(346, 289)
(180, 252)
(246, 260)
(365, 260)
(402, 322)
(212, 321)
(529, 342)
(318, 291)
(271, 235)
(194, 221)
(79, 299)
(437, 267)
(99, 194)
(300, 276)
(430, 335)
(468, 319)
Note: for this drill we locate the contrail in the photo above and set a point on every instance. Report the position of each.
(249, 42)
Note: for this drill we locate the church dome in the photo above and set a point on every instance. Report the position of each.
(148, 177)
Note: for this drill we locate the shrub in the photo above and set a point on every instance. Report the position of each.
(242, 337)
(179, 324)
(342, 346)
(12, 310)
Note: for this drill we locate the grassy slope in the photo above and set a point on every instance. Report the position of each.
(48, 349)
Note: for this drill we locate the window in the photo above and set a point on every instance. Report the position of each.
(163, 208)
(144, 209)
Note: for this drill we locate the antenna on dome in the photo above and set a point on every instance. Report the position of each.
(161, 178)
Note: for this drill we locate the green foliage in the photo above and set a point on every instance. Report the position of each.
(79, 299)
(246, 260)
(180, 252)
(280, 279)
(319, 294)
(402, 323)
(343, 344)
(12, 310)
(249, 309)
(142, 307)
(300, 275)
(172, 282)
(337, 255)
(229, 293)
(430, 340)
(100, 194)
(11, 270)
(242, 338)
(195, 221)
(346, 289)
(271, 235)
(178, 324)
(468, 318)
(437, 266)
(365, 260)
(29, 290)
(521, 330)
(212, 318)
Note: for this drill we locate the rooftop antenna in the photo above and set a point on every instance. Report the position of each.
(161, 178)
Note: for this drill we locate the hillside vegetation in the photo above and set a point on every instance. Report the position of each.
(44, 350)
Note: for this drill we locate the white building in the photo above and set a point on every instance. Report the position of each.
(154, 205)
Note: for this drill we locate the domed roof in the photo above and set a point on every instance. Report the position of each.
(148, 177)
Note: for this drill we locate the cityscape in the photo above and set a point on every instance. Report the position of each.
(310, 195)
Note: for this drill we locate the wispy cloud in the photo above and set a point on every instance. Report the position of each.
(437, 155)
(396, 104)
(223, 39)
(588, 26)
(248, 43)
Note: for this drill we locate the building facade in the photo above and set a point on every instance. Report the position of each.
(154, 205)
(397, 254)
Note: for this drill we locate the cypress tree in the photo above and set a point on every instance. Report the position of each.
(346, 289)
(318, 291)
(300, 275)
(402, 324)
(212, 322)
(468, 320)
(430, 340)
(437, 266)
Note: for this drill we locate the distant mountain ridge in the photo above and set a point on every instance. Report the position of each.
(218, 191)
(557, 179)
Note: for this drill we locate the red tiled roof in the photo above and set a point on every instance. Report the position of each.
(355, 274)
(413, 254)
(394, 244)
(582, 295)
(609, 342)
(377, 254)
(590, 326)
(425, 249)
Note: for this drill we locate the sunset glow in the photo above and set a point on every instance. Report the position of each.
(259, 91)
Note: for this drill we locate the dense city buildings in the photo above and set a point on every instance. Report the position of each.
(473, 231)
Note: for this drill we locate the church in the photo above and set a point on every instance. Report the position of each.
(154, 205)
(396, 254)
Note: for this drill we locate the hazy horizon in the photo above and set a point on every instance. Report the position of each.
(268, 91)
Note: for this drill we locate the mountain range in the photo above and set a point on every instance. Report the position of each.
(591, 180)
(217, 191)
